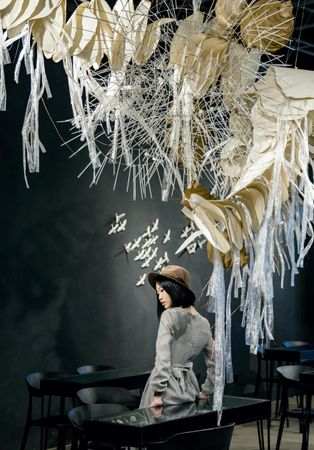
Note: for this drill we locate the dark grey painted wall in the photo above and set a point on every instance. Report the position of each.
(67, 293)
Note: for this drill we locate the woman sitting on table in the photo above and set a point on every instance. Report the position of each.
(182, 335)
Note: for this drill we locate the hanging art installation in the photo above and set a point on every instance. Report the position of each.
(202, 100)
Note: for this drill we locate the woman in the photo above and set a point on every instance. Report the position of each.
(182, 335)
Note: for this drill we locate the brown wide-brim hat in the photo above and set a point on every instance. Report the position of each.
(177, 274)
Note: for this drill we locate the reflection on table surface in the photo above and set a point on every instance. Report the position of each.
(149, 416)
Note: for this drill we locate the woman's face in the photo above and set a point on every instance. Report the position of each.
(163, 296)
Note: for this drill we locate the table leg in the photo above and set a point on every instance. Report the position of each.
(260, 432)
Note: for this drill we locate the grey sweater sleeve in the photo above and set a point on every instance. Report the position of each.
(209, 353)
(164, 341)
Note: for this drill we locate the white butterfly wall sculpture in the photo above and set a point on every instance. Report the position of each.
(195, 98)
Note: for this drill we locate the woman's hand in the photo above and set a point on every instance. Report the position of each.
(157, 401)
(202, 397)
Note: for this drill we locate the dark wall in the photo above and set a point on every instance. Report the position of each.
(68, 294)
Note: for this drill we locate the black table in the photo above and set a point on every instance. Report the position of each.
(295, 355)
(141, 426)
(129, 378)
(282, 356)
(63, 387)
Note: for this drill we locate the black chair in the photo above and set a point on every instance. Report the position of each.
(77, 416)
(307, 389)
(218, 438)
(46, 419)
(289, 377)
(90, 368)
(107, 394)
(269, 374)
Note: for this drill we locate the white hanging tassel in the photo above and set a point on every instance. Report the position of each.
(236, 282)
(216, 292)
(30, 130)
(4, 59)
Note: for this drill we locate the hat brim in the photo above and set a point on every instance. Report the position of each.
(154, 277)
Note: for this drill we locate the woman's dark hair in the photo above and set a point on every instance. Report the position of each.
(179, 295)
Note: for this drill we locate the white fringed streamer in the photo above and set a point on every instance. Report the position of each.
(236, 283)
(4, 59)
(30, 130)
(216, 292)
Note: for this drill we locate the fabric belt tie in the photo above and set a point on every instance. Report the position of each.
(180, 372)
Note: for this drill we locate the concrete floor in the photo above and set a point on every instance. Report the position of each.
(245, 436)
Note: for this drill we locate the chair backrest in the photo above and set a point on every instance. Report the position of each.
(78, 414)
(107, 394)
(294, 343)
(33, 380)
(90, 368)
(291, 374)
(218, 438)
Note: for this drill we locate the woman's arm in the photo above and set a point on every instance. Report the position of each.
(209, 353)
(161, 372)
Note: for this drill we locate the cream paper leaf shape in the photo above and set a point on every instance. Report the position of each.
(209, 229)
(139, 23)
(214, 211)
(209, 63)
(107, 20)
(81, 27)
(181, 43)
(5, 3)
(253, 171)
(25, 13)
(150, 41)
(257, 200)
(235, 231)
(188, 241)
(32, 10)
(248, 203)
(219, 213)
(47, 32)
(118, 49)
(92, 54)
(228, 12)
(124, 10)
(238, 212)
(45, 8)
(267, 25)
(11, 12)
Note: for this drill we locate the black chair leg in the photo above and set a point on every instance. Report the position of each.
(258, 375)
(284, 407)
(306, 423)
(25, 435)
(260, 432)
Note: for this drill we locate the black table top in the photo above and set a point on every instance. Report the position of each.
(141, 426)
(128, 377)
(297, 354)
(307, 377)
